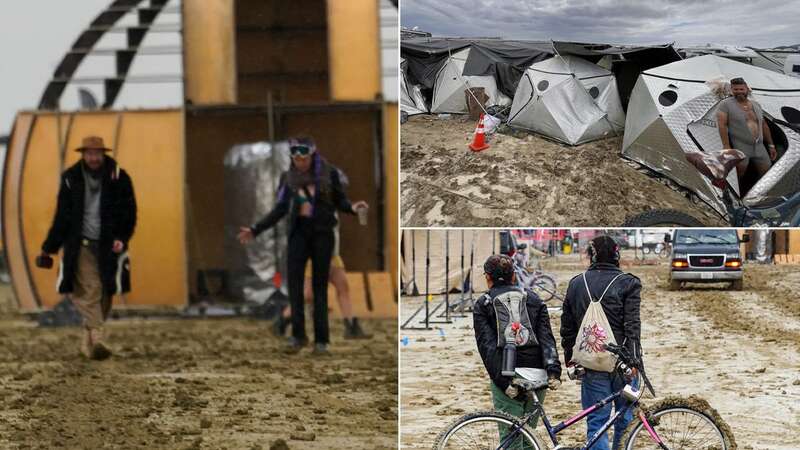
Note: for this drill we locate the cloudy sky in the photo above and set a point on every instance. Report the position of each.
(760, 23)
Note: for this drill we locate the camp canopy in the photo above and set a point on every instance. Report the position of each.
(568, 99)
(451, 83)
(673, 112)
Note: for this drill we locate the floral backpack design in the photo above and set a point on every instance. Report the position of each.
(595, 332)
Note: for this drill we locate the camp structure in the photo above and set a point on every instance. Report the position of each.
(449, 90)
(781, 60)
(672, 112)
(252, 71)
(568, 99)
(411, 99)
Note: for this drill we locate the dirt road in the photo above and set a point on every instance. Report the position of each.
(738, 350)
(525, 181)
(194, 384)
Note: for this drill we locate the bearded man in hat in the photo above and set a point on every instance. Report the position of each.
(94, 221)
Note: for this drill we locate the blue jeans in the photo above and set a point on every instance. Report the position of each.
(596, 386)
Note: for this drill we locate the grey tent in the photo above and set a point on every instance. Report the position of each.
(672, 112)
(451, 84)
(411, 99)
(568, 99)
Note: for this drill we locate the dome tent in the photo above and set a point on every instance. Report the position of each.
(568, 99)
(672, 112)
(450, 84)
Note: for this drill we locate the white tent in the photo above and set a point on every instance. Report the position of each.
(450, 84)
(672, 112)
(411, 99)
(568, 99)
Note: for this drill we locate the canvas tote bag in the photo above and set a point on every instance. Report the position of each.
(595, 332)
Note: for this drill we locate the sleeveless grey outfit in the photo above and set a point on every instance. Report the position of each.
(739, 133)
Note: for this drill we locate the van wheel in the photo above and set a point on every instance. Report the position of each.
(662, 218)
(737, 285)
(674, 285)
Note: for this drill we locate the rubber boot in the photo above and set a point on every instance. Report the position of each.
(352, 330)
(279, 325)
(100, 350)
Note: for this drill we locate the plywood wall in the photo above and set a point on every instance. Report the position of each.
(209, 43)
(354, 50)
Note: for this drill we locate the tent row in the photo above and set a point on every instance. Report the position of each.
(570, 92)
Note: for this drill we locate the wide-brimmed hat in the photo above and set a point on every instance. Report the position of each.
(93, 142)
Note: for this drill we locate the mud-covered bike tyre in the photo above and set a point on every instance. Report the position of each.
(662, 218)
(549, 283)
(496, 416)
(674, 403)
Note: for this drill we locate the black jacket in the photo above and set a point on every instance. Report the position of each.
(117, 222)
(543, 356)
(329, 199)
(621, 305)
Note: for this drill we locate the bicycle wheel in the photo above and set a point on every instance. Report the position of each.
(544, 286)
(685, 423)
(481, 431)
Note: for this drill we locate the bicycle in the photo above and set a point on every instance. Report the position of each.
(716, 165)
(673, 423)
(541, 283)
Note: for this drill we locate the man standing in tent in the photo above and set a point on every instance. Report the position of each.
(94, 221)
(742, 126)
(537, 350)
(618, 295)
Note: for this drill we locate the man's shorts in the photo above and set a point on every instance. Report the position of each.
(336, 261)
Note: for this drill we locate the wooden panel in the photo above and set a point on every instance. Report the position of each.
(794, 242)
(281, 47)
(358, 294)
(391, 183)
(209, 51)
(354, 50)
(348, 139)
(383, 295)
(151, 150)
(207, 141)
(39, 191)
(12, 232)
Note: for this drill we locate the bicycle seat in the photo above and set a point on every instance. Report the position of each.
(716, 164)
(532, 379)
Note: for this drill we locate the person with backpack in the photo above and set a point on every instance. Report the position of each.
(601, 306)
(509, 312)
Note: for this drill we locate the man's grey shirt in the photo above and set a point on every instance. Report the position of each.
(91, 207)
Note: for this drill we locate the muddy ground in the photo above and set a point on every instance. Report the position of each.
(522, 181)
(194, 384)
(738, 350)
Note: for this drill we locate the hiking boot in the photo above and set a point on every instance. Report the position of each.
(294, 345)
(321, 348)
(352, 330)
(100, 350)
(86, 343)
(279, 325)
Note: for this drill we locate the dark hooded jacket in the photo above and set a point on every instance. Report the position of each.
(621, 305)
(329, 196)
(542, 356)
(117, 222)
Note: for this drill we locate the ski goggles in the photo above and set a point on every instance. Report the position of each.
(301, 150)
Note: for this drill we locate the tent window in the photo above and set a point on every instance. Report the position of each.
(791, 115)
(543, 85)
(668, 98)
(594, 92)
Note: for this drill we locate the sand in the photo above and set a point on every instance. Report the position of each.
(522, 181)
(738, 350)
(194, 384)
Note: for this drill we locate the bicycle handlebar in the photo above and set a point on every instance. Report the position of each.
(626, 358)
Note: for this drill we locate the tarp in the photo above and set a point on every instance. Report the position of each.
(251, 182)
(425, 56)
(506, 61)
(568, 99)
(673, 112)
(411, 99)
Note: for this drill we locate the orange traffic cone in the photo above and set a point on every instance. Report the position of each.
(479, 141)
